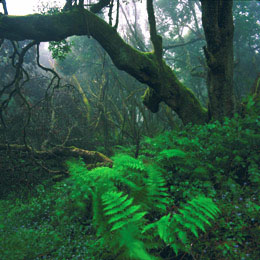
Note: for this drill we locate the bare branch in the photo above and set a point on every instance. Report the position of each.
(168, 47)
(155, 38)
(117, 14)
(96, 8)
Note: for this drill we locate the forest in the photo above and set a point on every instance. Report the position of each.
(130, 130)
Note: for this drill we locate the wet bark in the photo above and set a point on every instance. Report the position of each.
(217, 20)
(91, 158)
(146, 67)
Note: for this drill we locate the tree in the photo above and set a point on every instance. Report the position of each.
(147, 67)
(246, 49)
(217, 20)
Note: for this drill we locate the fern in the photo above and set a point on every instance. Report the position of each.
(126, 198)
(134, 248)
(175, 228)
(144, 182)
(126, 162)
(124, 221)
(156, 189)
(170, 153)
(76, 167)
(120, 210)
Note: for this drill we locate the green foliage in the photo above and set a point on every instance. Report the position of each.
(222, 162)
(60, 49)
(28, 243)
(30, 229)
(127, 201)
(174, 229)
(191, 193)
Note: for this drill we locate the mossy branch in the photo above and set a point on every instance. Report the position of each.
(148, 68)
(89, 157)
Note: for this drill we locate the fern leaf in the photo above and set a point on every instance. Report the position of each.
(113, 203)
(183, 236)
(170, 153)
(116, 195)
(197, 214)
(120, 207)
(156, 191)
(126, 162)
(135, 248)
(163, 224)
(125, 214)
(191, 217)
(175, 248)
(174, 229)
(118, 225)
(206, 206)
(138, 216)
(120, 210)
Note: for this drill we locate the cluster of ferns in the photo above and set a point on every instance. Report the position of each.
(132, 212)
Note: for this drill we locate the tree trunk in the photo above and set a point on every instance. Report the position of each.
(217, 20)
(144, 66)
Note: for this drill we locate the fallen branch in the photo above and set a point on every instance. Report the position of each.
(60, 154)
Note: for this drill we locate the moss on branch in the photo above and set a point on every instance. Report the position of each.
(147, 68)
(62, 153)
(151, 100)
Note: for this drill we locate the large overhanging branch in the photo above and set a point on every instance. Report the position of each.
(142, 66)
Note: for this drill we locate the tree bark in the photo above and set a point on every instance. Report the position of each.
(217, 21)
(144, 66)
(91, 158)
(255, 91)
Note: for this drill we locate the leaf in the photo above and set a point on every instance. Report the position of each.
(175, 248)
(172, 153)
(118, 207)
(118, 225)
(138, 216)
(183, 236)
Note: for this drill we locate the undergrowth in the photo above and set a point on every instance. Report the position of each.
(131, 209)
(191, 194)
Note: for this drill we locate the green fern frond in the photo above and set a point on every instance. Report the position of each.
(170, 153)
(206, 205)
(174, 229)
(160, 142)
(134, 247)
(98, 215)
(124, 220)
(156, 188)
(120, 210)
(122, 196)
(163, 225)
(103, 174)
(114, 201)
(125, 162)
(76, 166)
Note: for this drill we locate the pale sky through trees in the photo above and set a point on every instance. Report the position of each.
(20, 7)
